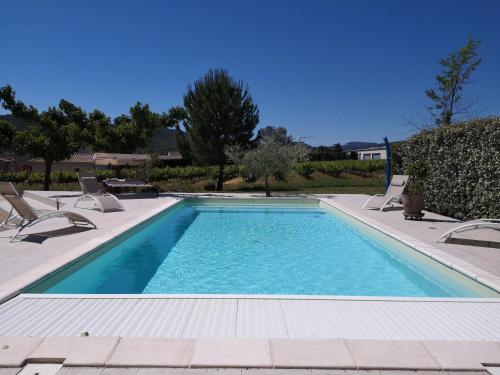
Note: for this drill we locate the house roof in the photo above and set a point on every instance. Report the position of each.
(369, 149)
(106, 158)
(79, 157)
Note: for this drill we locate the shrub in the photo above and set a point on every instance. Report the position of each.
(463, 163)
(303, 169)
(336, 167)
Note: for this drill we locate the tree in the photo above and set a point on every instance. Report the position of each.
(323, 153)
(280, 133)
(458, 67)
(7, 134)
(126, 133)
(220, 112)
(54, 134)
(271, 157)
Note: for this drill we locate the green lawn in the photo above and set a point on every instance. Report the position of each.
(317, 183)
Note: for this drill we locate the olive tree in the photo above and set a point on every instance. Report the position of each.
(271, 157)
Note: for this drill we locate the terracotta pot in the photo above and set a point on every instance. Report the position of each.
(413, 203)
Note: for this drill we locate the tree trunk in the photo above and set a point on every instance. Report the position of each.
(266, 185)
(48, 167)
(220, 178)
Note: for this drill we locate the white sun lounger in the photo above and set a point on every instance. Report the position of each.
(393, 193)
(471, 225)
(27, 216)
(92, 191)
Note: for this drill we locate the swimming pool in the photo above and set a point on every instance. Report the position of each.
(215, 246)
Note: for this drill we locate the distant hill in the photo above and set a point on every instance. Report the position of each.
(19, 124)
(164, 141)
(357, 145)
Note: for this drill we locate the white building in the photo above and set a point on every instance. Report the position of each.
(372, 153)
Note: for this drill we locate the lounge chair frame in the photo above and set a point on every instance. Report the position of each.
(391, 196)
(94, 195)
(471, 225)
(390, 199)
(32, 216)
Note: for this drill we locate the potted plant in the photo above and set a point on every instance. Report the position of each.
(413, 198)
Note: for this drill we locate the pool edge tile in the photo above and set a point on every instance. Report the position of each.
(232, 352)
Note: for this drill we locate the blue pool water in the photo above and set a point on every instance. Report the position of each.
(244, 249)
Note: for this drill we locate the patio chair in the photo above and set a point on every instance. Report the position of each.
(471, 225)
(27, 216)
(393, 194)
(91, 190)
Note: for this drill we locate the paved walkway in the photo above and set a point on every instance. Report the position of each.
(232, 371)
(249, 353)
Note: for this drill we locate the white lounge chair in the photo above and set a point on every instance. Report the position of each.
(471, 225)
(27, 216)
(92, 191)
(393, 194)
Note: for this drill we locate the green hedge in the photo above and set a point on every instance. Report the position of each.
(463, 163)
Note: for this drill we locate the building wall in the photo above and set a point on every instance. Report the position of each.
(37, 166)
(374, 154)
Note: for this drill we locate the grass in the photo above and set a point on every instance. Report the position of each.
(317, 183)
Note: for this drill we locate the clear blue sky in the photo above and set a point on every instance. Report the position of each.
(337, 71)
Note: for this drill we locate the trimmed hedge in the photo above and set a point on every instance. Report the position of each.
(463, 164)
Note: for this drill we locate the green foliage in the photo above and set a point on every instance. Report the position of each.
(55, 134)
(463, 167)
(219, 112)
(7, 134)
(335, 168)
(447, 97)
(303, 169)
(270, 158)
(280, 133)
(324, 153)
(418, 176)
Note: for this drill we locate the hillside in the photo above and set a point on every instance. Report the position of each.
(357, 145)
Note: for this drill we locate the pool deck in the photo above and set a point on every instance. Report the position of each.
(246, 331)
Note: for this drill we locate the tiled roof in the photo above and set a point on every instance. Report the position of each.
(79, 157)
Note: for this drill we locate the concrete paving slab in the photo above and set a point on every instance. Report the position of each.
(76, 351)
(224, 371)
(329, 372)
(381, 354)
(189, 371)
(310, 353)
(464, 355)
(40, 369)
(231, 353)
(119, 371)
(80, 371)
(493, 370)
(14, 350)
(10, 371)
(152, 352)
(154, 371)
(259, 371)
